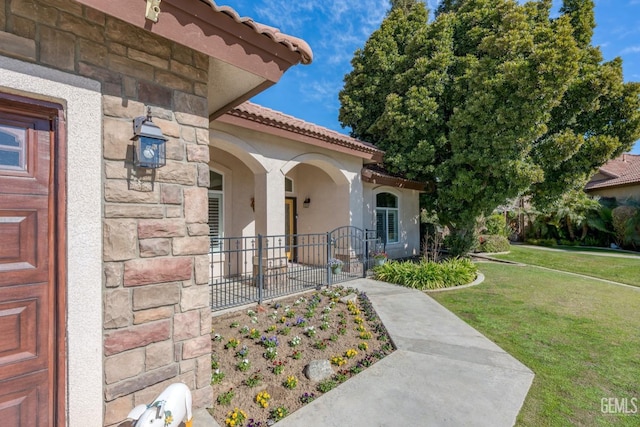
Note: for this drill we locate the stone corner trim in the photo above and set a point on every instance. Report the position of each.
(139, 272)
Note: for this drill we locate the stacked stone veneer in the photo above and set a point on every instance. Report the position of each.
(155, 295)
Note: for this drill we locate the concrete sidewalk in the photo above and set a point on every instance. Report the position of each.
(443, 373)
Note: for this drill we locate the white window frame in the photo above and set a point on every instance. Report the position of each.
(388, 212)
(217, 194)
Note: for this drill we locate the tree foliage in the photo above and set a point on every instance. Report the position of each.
(489, 100)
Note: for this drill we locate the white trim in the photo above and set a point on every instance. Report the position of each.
(386, 211)
(227, 195)
(293, 188)
(336, 170)
(82, 100)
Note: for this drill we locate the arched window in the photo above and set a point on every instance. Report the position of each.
(387, 217)
(216, 229)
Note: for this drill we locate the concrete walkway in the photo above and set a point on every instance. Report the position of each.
(443, 373)
(614, 253)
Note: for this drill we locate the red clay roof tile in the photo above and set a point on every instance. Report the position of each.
(294, 44)
(623, 170)
(269, 117)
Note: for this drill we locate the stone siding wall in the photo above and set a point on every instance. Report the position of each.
(155, 295)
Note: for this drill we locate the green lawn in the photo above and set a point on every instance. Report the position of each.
(623, 270)
(580, 337)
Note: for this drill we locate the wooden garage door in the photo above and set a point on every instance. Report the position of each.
(30, 287)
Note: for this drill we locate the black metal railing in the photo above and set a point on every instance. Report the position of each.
(252, 269)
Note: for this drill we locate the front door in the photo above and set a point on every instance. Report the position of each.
(290, 226)
(29, 245)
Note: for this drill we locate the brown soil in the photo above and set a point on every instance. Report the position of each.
(271, 320)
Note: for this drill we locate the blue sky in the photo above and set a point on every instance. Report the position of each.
(336, 28)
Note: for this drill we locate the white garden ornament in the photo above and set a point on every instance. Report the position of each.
(169, 409)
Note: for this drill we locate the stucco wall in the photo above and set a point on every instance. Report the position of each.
(330, 179)
(409, 218)
(239, 217)
(620, 193)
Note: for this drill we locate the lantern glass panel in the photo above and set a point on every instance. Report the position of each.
(150, 152)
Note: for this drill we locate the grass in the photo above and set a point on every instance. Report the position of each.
(578, 335)
(617, 269)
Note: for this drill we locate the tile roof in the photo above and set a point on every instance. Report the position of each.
(623, 170)
(294, 44)
(276, 119)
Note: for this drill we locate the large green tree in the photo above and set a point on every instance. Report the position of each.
(489, 100)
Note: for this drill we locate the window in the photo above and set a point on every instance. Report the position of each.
(215, 211)
(387, 217)
(288, 185)
(12, 147)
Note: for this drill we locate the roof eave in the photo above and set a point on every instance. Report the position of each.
(606, 186)
(272, 128)
(202, 26)
(373, 177)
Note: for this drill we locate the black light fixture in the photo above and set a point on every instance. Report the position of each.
(306, 202)
(148, 143)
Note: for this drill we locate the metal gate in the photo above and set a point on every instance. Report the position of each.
(351, 248)
(245, 270)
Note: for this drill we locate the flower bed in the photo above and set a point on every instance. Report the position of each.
(259, 354)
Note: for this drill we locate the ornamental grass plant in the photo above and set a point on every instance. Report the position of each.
(428, 275)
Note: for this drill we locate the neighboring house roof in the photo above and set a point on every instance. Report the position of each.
(294, 44)
(623, 170)
(377, 174)
(256, 117)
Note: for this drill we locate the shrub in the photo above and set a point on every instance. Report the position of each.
(493, 243)
(460, 244)
(428, 275)
(622, 217)
(496, 225)
(565, 242)
(542, 242)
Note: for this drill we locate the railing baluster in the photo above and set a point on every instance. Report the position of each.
(255, 268)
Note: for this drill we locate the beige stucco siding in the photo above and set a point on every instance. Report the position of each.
(409, 218)
(620, 193)
(259, 164)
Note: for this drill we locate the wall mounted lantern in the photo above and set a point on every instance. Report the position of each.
(153, 10)
(306, 202)
(148, 143)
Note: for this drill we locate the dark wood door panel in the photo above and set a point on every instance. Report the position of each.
(23, 401)
(25, 327)
(24, 226)
(31, 175)
(32, 260)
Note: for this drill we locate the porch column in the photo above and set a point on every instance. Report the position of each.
(269, 203)
(356, 201)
